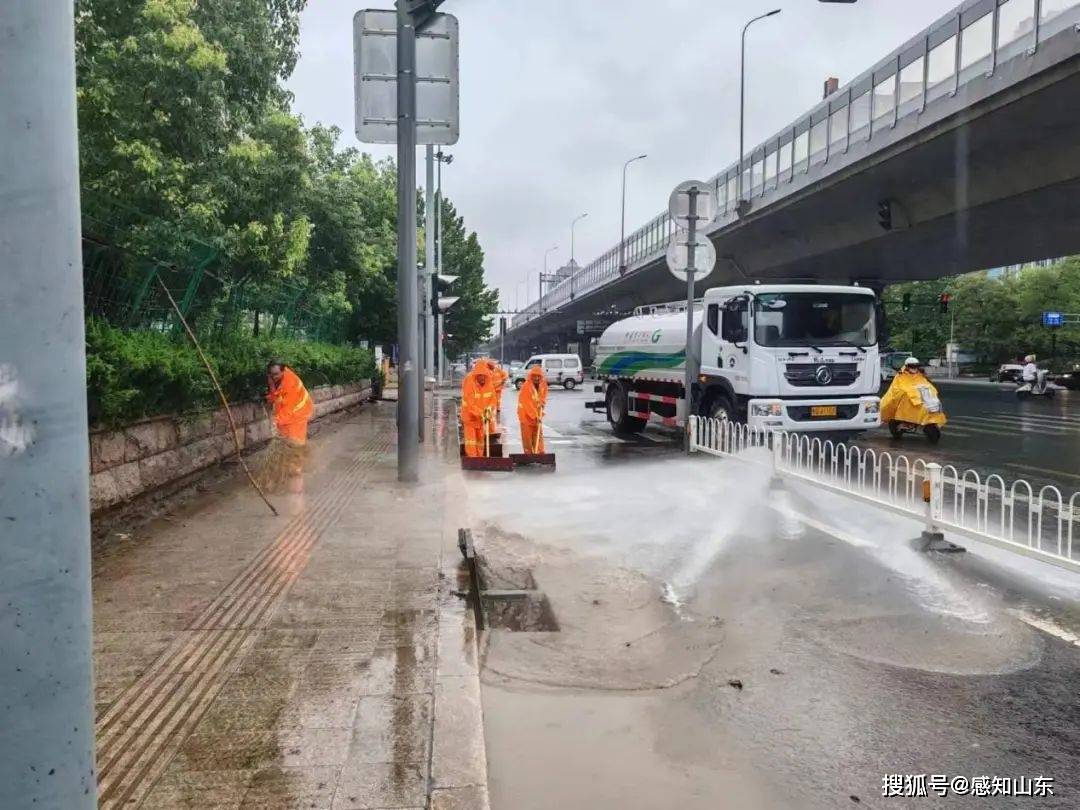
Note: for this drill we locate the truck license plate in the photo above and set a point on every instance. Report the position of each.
(823, 410)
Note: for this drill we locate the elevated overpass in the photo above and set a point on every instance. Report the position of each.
(965, 136)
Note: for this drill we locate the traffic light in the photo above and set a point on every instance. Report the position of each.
(884, 215)
(440, 303)
(943, 303)
(905, 303)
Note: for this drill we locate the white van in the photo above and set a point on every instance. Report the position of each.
(560, 369)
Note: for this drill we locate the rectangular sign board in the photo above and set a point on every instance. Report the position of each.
(375, 78)
(1053, 319)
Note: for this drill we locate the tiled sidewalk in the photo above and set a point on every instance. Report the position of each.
(315, 660)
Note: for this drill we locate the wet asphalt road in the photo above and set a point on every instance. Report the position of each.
(990, 430)
(810, 651)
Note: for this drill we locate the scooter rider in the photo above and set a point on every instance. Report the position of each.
(1030, 373)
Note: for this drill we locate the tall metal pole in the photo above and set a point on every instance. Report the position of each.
(574, 223)
(442, 350)
(622, 227)
(688, 376)
(544, 278)
(427, 283)
(408, 373)
(439, 257)
(742, 100)
(46, 678)
(429, 251)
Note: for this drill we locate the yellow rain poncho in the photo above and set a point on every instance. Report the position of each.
(912, 398)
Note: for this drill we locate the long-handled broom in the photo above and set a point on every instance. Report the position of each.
(535, 457)
(221, 394)
(283, 460)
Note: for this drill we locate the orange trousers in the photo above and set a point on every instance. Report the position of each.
(296, 430)
(532, 438)
(473, 430)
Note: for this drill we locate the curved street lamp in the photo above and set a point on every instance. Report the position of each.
(574, 222)
(622, 228)
(741, 204)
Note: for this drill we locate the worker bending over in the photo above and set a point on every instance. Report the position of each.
(477, 408)
(532, 399)
(293, 406)
(498, 382)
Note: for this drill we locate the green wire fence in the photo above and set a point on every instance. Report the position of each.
(121, 283)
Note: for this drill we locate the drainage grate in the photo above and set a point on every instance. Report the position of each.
(509, 599)
(519, 611)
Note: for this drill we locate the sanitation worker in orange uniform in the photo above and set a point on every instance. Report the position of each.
(532, 399)
(478, 401)
(293, 406)
(498, 381)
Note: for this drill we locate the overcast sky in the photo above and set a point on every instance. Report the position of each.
(557, 94)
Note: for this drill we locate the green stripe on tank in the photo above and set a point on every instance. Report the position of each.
(631, 362)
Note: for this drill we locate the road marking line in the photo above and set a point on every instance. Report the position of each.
(1060, 421)
(1040, 469)
(1022, 422)
(1047, 626)
(983, 430)
(825, 528)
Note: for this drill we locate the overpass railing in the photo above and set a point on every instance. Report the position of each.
(1041, 523)
(972, 40)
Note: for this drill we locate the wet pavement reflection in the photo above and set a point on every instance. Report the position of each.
(247, 661)
(726, 641)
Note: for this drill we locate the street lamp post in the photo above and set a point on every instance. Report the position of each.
(440, 159)
(544, 276)
(741, 205)
(622, 228)
(573, 223)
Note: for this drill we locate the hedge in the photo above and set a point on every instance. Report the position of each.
(134, 374)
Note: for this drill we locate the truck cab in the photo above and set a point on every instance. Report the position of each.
(790, 357)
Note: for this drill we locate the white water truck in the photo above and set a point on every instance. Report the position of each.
(793, 357)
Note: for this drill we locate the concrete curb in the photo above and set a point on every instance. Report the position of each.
(459, 779)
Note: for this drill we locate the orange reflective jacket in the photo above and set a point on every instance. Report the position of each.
(498, 376)
(292, 403)
(532, 398)
(476, 397)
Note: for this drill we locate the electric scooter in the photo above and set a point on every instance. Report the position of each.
(1039, 387)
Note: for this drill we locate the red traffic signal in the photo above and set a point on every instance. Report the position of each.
(943, 302)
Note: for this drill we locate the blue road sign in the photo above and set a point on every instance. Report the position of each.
(1053, 319)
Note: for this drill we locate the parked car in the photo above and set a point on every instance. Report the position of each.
(1008, 372)
(891, 363)
(1068, 378)
(566, 370)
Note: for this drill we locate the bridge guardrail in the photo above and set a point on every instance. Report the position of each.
(972, 40)
(1041, 523)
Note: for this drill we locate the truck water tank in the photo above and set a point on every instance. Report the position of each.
(645, 345)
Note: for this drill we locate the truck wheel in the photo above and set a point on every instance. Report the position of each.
(720, 407)
(569, 384)
(618, 411)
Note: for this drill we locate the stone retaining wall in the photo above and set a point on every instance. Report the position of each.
(148, 455)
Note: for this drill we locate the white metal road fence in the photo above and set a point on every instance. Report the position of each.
(1040, 523)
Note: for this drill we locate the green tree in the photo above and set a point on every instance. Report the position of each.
(189, 149)
(997, 319)
(468, 322)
